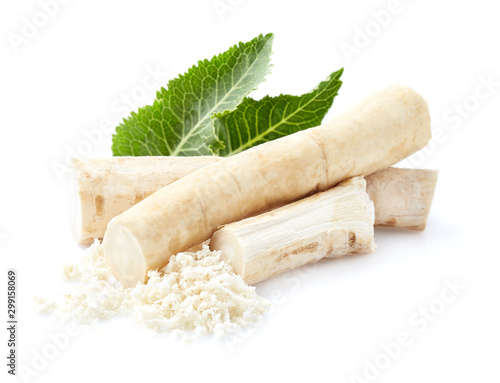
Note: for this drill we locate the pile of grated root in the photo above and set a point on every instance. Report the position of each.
(193, 295)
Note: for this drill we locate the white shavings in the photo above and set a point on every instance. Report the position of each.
(195, 294)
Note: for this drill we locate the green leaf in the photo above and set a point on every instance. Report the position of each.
(179, 123)
(255, 122)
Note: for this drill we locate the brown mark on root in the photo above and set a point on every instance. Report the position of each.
(99, 205)
(417, 227)
(138, 198)
(391, 222)
(312, 247)
(352, 239)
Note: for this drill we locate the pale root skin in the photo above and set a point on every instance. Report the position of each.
(402, 197)
(109, 186)
(381, 130)
(329, 224)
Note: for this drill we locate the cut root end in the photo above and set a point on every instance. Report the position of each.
(124, 256)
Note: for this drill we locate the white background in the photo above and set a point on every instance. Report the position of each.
(329, 320)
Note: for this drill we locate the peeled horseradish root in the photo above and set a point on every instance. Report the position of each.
(107, 187)
(329, 224)
(402, 197)
(381, 130)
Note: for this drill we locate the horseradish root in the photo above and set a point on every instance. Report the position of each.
(402, 197)
(381, 130)
(106, 187)
(109, 186)
(330, 224)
